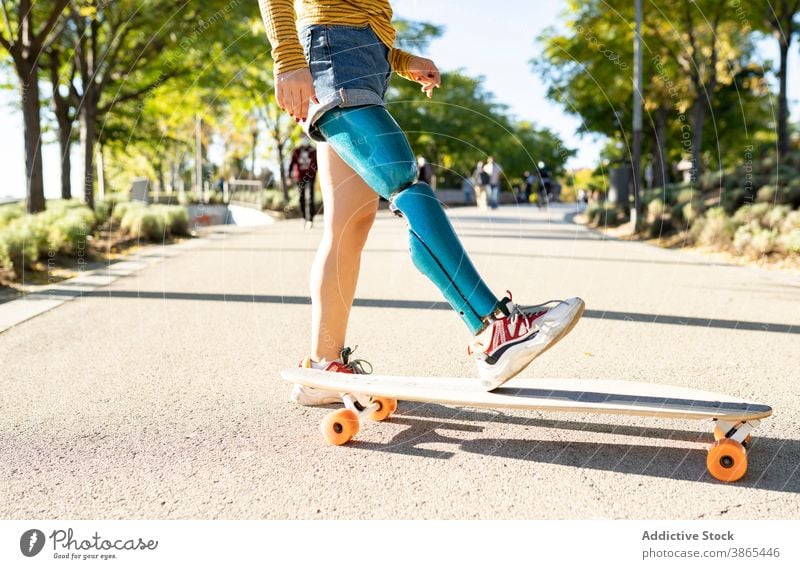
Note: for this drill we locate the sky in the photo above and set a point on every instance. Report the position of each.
(493, 40)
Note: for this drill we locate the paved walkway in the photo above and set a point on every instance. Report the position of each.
(158, 396)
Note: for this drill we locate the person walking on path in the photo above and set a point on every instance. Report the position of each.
(425, 170)
(494, 171)
(332, 65)
(481, 180)
(303, 169)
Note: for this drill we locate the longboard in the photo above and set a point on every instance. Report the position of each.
(375, 396)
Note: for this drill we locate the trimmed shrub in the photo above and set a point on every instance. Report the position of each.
(692, 211)
(768, 194)
(67, 233)
(751, 212)
(732, 200)
(752, 239)
(789, 242)
(176, 218)
(121, 209)
(9, 212)
(775, 216)
(716, 228)
(144, 223)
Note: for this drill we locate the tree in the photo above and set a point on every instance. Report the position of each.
(691, 54)
(780, 18)
(125, 51)
(463, 124)
(28, 28)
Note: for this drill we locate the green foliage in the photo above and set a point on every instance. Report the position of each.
(753, 240)
(10, 212)
(463, 124)
(716, 229)
(62, 229)
(604, 214)
(154, 223)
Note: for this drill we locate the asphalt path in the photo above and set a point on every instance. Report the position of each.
(159, 395)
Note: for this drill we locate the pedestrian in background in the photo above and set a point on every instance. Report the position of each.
(303, 169)
(494, 171)
(481, 180)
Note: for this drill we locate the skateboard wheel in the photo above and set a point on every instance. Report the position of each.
(339, 426)
(719, 434)
(386, 407)
(727, 460)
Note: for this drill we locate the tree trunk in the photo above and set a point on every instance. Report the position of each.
(659, 150)
(64, 145)
(281, 173)
(29, 85)
(783, 107)
(698, 121)
(88, 134)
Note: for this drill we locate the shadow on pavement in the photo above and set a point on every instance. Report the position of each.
(623, 260)
(773, 462)
(425, 305)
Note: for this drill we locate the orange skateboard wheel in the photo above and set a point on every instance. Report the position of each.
(727, 460)
(386, 407)
(719, 434)
(339, 426)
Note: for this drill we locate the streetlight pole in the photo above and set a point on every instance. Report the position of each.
(636, 159)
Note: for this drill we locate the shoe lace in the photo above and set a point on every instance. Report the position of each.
(525, 312)
(356, 365)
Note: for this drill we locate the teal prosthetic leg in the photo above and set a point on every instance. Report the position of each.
(369, 140)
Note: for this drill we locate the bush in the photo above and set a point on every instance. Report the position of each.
(154, 223)
(176, 218)
(789, 242)
(775, 216)
(792, 221)
(716, 229)
(121, 209)
(67, 233)
(293, 206)
(143, 223)
(61, 229)
(752, 239)
(692, 211)
(10, 212)
(685, 196)
(20, 248)
(732, 200)
(751, 212)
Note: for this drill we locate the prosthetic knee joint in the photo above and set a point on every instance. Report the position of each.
(370, 141)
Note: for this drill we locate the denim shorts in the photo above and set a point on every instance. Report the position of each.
(349, 66)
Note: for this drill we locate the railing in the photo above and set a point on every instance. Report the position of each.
(249, 193)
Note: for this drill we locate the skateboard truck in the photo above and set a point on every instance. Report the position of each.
(727, 457)
(338, 427)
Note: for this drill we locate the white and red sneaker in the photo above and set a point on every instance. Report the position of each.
(517, 336)
(312, 396)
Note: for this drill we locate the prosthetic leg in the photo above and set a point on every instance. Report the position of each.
(369, 140)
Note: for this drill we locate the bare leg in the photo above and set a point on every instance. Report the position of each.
(350, 206)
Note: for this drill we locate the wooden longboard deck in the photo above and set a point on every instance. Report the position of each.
(568, 395)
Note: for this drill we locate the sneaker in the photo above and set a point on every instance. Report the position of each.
(313, 396)
(520, 334)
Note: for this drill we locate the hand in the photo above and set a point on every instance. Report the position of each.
(293, 90)
(424, 72)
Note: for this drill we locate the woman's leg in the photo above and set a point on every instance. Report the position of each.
(350, 206)
(372, 143)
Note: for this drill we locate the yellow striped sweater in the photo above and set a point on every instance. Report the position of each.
(282, 23)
